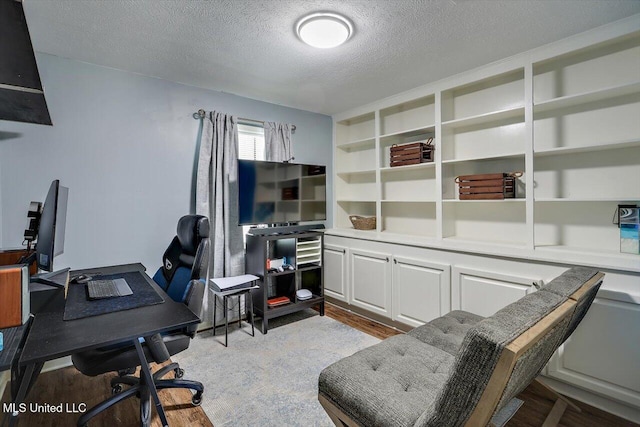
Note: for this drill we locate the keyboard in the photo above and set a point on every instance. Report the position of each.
(99, 289)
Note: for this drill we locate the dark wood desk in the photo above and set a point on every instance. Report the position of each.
(51, 337)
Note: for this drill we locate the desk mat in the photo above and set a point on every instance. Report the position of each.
(78, 305)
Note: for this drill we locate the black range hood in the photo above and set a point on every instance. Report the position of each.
(21, 94)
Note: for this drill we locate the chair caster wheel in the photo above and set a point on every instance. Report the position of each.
(116, 389)
(196, 400)
(179, 372)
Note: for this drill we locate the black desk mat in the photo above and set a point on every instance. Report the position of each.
(78, 304)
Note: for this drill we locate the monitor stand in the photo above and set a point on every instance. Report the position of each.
(56, 279)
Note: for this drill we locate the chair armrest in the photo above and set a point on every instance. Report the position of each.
(156, 347)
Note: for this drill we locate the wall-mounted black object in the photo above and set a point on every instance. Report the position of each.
(21, 94)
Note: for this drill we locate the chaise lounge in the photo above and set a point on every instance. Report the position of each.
(459, 369)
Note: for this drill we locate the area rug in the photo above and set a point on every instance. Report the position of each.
(272, 379)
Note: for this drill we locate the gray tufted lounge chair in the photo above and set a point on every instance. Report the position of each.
(459, 369)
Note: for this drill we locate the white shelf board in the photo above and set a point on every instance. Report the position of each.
(464, 241)
(514, 200)
(491, 157)
(355, 201)
(586, 97)
(407, 201)
(588, 148)
(422, 130)
(553, 254)
(408, 167)
(356, 172)
(585, 199)
(360, 143)
(314, 176)
(493, 116)
(591, 256)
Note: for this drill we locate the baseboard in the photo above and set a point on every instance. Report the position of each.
(621, 410)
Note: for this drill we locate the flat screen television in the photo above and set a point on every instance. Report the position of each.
(280, 193)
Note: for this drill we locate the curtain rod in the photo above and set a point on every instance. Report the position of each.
(201, 113)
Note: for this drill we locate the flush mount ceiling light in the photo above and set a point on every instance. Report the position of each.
(324, 30)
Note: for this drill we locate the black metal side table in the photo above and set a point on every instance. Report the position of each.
(224, 295)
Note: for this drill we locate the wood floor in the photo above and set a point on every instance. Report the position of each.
(68, 385)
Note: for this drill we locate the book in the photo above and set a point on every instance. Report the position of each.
(14, 295)
(274, 302)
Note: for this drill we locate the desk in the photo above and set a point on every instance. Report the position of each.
(50, 337)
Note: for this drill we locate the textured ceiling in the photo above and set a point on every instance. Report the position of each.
(249, 47)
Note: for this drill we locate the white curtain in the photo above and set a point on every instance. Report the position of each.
(217, 192)
(277, 140)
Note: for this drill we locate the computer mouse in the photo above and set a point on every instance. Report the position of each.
(82, 278)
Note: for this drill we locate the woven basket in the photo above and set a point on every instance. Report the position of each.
(362, 222)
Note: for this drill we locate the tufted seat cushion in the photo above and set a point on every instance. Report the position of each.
(448, 331)
(389, 384)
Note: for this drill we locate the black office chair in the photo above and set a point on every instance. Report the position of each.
(182, 276)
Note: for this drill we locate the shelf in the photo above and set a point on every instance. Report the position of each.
(588, 148)
(552, 253)
(408, 167)
(486, 118)
(491, 157)
(355, 201)
(464, 241)
(423, 130)
(356, 172)
(294, 306)
(586, 199)
(586, 97)
(407, 201)
(515, 200)
(354, 145)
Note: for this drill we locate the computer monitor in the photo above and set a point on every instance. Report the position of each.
(51, 233)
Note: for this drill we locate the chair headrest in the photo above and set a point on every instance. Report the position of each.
(191, 230)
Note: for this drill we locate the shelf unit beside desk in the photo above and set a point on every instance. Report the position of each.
(303, 251)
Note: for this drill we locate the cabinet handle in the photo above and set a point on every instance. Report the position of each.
(387, 259)
(344, 251)
(395, 261)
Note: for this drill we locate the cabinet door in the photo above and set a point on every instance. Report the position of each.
(420, 290)
(603, 353)
(335, 272)
(371, 281)
(485, 292)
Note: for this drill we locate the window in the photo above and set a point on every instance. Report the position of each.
(250, 147)
(251, 142)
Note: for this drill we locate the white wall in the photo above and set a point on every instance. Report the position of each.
(126, 146)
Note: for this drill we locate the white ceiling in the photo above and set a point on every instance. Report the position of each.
(249, 47)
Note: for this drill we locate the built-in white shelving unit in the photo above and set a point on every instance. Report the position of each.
(568, 117)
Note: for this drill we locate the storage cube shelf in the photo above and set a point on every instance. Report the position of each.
(570, 121)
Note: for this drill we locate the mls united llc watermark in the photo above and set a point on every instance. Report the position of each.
(44, 408)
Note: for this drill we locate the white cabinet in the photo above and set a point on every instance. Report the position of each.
(420, 290)
(602, 355)
(371, 281)
(485, 292)
(335, 272)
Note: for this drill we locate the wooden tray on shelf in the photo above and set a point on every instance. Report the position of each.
(488, 186)
(411, 154)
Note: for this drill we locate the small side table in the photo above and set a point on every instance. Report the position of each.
(224, 295)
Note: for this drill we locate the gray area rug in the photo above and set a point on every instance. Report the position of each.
(272, 379)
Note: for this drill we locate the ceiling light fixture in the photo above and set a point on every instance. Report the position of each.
(324, 30)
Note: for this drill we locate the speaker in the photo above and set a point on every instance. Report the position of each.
(14, 295)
